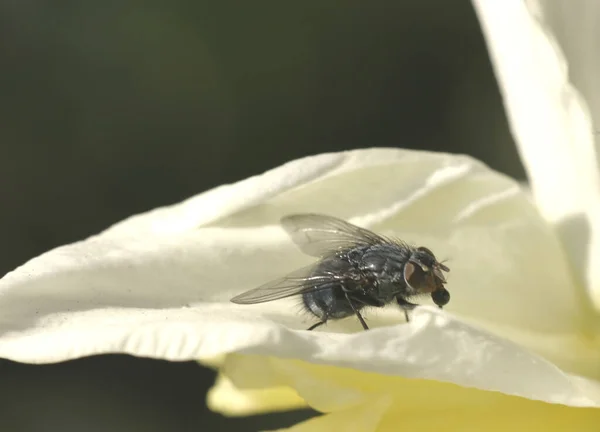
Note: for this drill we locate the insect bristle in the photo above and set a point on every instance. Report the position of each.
(303, 310)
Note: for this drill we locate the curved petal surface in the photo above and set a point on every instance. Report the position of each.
(390, 404)
(158, 284)
(227, 399)
(550, 120)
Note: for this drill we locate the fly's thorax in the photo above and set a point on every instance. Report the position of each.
(384, 261)
(384, 265)
(339, 265)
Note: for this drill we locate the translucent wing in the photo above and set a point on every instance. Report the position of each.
(320, 235)
(297, 282)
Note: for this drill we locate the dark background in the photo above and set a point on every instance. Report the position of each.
(115, 107)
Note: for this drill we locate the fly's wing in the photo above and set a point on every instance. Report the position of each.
(295, 283)
(320, 235)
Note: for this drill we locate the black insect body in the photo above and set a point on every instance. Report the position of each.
(356, 268)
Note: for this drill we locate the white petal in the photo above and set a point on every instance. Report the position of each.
(549, 118)
(433, 346)
(158, 284)
(503, 258)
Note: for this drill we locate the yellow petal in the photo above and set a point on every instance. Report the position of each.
(213, 362)
(331, 389)
(225, 398)
(499, 414)
(376, 402)
(363, 418)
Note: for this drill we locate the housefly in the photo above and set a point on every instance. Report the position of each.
(356, 268)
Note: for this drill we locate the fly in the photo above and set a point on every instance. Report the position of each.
(356, 269)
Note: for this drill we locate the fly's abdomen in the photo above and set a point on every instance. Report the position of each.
(329, 301)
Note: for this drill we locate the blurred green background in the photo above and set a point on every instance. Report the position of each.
(116, 107)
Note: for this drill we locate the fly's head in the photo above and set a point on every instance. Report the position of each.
(425, 275)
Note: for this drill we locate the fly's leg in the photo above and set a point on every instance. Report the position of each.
(357, 313)
(406, 306)
(314, 326)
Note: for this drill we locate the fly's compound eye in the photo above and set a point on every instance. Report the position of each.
(440, 297)
(422, 281)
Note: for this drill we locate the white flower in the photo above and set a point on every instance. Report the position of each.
(555, 130)
(517, 346)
